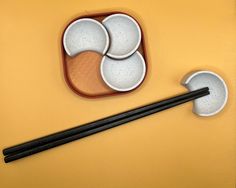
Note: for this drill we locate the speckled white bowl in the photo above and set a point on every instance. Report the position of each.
(125, 74)
(125, 35)
(214, 102)
(85, 34)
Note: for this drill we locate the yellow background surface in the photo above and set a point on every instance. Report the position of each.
(172, 149)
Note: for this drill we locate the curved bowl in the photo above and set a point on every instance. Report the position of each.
(125, 35)
(85, 35)
(210, 104)
(125, 74)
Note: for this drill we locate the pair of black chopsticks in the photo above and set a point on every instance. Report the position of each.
(40, 144)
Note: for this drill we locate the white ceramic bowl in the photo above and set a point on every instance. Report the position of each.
(125, 35)
(125, 74)
(214, 102)
(85, 34)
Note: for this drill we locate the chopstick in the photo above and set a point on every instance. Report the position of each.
(91, 125)
(92, 128)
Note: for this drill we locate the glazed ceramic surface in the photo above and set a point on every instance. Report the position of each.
(125, 35)
(85, 34)
(210, 104)
(125, 74)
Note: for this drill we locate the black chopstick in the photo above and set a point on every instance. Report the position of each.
(188, 97)
(78, 129)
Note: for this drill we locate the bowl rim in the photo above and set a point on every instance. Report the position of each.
(191, 75)
(107, 38)
(129, 88)
(139, 34)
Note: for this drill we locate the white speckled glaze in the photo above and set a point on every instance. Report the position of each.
(125, 35)
(125, 74)
(85, 34)
(214, 102)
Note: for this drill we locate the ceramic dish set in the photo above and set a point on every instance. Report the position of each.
(106, 51)
(102, 55)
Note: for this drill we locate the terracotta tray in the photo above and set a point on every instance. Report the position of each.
(82, 72)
